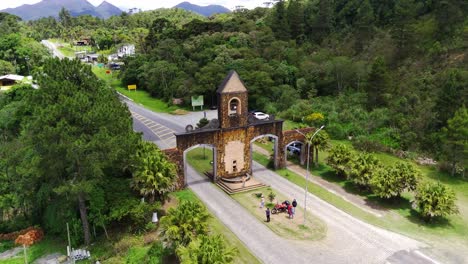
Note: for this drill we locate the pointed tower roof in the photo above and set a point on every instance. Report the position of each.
(232, 84)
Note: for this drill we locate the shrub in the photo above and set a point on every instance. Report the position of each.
(184, 223)
(363, 168)
(339, 158)
(314, 119)
(271, 196)
(434, 200)
(203, 122)
(122, 246)
(390, 182)
(156, 253)
(206, 249)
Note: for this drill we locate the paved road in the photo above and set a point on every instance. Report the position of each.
(51, 46)
(159, 127)
(348, 240)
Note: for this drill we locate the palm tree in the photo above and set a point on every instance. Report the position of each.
(183, 224)
(205, 250)
(153, 175)
(321, 142)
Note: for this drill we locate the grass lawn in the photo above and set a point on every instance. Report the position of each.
(266, 145)
(291, 125)
(315, 228)
(138, 96)
(200, 159)
(69, 50)
(217, 227)
(44, 247)
(292, 229)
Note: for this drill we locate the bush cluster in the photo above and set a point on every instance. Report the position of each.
(388, 182)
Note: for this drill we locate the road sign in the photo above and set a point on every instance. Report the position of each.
(132, 87)
(197, 101)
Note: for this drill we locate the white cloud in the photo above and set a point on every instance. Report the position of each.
(149, 4)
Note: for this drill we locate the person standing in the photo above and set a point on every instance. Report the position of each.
(262, 202)
(290, 211)
(294, 204)
(268, 214)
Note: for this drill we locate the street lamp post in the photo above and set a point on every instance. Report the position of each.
(309, 142)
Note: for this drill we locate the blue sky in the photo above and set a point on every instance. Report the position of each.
(149, 4)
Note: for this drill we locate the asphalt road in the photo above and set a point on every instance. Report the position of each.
(51, 46)
(348, 240)
(159, 127)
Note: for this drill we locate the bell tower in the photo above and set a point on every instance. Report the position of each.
(232, 102)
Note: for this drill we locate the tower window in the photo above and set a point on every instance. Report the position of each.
(234, 106)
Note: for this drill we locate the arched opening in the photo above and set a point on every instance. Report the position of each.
(295, 152)
(266, 145)
(202, 158)
(234, 106)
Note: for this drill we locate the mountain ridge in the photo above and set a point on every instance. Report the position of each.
(48, 8)
(207, 11)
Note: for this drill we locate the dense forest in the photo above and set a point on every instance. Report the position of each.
(393, 72)
(390, 75)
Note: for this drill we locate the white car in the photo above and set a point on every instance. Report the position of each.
(261, 115)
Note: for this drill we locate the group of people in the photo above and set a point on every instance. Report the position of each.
(291, 208)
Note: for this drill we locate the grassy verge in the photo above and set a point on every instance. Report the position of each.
(313, 230)
(44, 247)
(6, 245)
(138, 96)
(317, 190)
(217, 227)
(447, 234)
(67, 49)
(200, 159)
(266, 145)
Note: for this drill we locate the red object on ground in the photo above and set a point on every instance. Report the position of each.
(35, 234)
(108, 71)
(31, 237)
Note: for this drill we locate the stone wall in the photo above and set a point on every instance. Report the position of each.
(291, 136)
(236, 120)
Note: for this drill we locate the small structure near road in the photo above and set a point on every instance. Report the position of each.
(231, 137)
(9, 80)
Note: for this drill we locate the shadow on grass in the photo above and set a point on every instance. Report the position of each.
(325, 173)
(397, 203)
(444, 177)
(435, 223)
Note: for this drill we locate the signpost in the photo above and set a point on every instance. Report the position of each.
(197, 101)
(132, 87)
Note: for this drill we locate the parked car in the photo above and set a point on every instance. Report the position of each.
(295, 148)
(261, 115)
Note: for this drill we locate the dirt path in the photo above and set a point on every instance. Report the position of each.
(357, 200)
